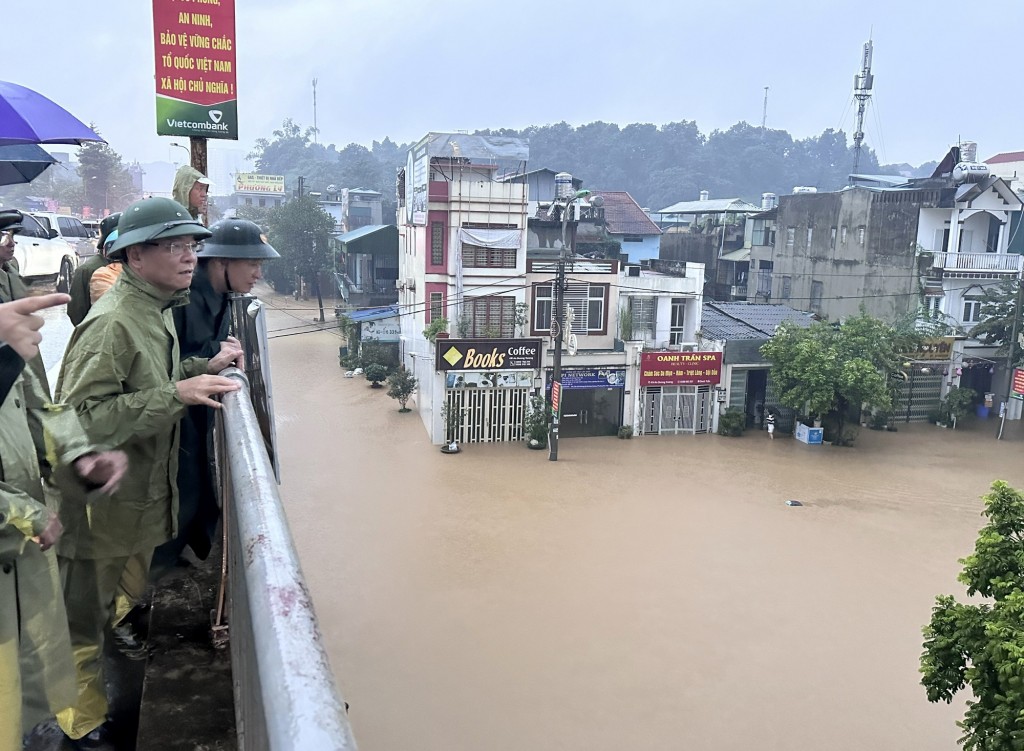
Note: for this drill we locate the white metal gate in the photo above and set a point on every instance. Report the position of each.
(489, 414)
(670, 410)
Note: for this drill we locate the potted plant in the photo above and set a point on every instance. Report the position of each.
(401, 384)
(375, 373)
(625, 431)
(451, 418)
(958, 403)
(535, 424)
(732, 422)
(434, 328)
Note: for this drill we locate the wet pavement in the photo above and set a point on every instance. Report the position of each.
(648, 594)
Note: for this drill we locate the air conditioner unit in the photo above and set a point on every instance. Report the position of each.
(632, 271)
(410, 283)
(399, 283)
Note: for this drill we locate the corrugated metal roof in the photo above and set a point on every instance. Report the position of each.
(743, 254)
(711, 206)
(355, 234)
(740, 320)
(1006, 156)
(373, 314)
(623, 215)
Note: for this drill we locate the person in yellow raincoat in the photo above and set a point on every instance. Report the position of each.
(122, 375)
(36, 671)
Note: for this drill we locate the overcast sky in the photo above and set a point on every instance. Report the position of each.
(943, 70)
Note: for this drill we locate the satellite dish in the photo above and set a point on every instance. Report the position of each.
(332, 188)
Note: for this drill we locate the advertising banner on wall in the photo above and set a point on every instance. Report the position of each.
(592, 378)
(1018, 380)
(194, 42)
(381, 330)
(251, 182)
(680, 368)
(488, 354)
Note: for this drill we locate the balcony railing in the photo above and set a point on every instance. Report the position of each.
(1007, 263)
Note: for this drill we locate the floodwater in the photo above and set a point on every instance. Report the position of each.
(644, 595)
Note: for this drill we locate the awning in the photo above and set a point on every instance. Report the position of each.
(491, 238)
(373, 314)
(373, 239)
(743, 254)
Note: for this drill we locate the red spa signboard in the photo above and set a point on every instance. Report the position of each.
(194, 42)
(680, 368)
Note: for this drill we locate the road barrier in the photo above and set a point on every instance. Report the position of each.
(285, 696)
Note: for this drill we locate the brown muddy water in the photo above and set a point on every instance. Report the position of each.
(644, 595)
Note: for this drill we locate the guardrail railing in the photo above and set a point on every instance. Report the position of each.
(285, 695)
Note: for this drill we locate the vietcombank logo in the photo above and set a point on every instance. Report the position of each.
(217, 126)
(178, 118)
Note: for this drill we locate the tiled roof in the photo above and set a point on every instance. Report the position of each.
(623, 215)
(1006, 156)
(741, 320)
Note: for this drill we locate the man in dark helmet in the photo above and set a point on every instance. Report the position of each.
(231, 260)
(79, 289)
(123, 375)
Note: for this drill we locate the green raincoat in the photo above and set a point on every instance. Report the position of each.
(37, 676)
(119, 374)
(184, 180)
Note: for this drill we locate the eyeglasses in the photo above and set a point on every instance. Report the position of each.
(178, 247)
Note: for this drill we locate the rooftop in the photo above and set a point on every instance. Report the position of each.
(623, 215)
(711, 206)
(743, 320)
(1006, 156)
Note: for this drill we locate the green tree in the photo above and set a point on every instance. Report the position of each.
(401, 384)
(831, 368)
(375, 373)
(998, 306)
(981, 646)
(105, 180)
(299, 231)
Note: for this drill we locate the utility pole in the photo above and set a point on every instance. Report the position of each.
(1011, 348)
(862, 84)
(314, 113)
(557, 327)
(764, 113)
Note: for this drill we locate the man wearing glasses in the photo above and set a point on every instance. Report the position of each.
(123, 376)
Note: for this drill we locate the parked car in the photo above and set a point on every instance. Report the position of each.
(44, 256)
(77, 246)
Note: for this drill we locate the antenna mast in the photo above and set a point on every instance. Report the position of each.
(862, 84)
(764, 114)
(314, 112)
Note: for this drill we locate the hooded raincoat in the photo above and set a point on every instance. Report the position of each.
(184, 180)
(37, 676)
(119, 374)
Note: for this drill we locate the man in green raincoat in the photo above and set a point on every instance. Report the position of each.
(122, 375)
(190, 190)
(36, 670)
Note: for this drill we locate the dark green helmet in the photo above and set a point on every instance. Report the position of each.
(107, 225)
(237, 238)
(153, 219)
(10, 220)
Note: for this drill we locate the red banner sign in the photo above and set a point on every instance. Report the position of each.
(1018, 380)
(680, 368)
(194, 42)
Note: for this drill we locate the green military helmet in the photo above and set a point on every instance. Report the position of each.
(10, 220)
(153, 219)
(108, 225)
(237, 238)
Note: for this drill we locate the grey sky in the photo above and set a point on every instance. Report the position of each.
(400, 68)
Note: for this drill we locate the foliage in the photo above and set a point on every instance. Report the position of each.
(997, 309)
(981, 646)
(386, 353)
(375, 373)
(521, 318)
(958, 403)
(401, 384)
(435, 327)
(535, 424)
(300, 231)
(625, 431)
(878, 421)
(451, 418)
(463, 325)
(831, 367)
(625, 323)
(106, 183)
(732, 422)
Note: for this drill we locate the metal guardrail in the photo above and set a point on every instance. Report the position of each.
(1009, 262)
(285, 695)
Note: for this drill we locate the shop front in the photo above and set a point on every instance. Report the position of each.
(592, 401)
(677, 391)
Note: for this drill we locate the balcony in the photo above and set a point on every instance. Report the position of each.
(985, 263)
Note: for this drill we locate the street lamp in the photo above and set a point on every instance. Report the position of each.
(565, 254)
(179, 146)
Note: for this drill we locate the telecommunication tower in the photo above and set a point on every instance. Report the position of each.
(862, 84)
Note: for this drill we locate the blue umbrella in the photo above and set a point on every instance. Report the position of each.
(22, 163)
(28, 117)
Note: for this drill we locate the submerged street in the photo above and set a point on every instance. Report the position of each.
(646, 594)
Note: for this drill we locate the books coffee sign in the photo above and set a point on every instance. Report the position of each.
(194, 41)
